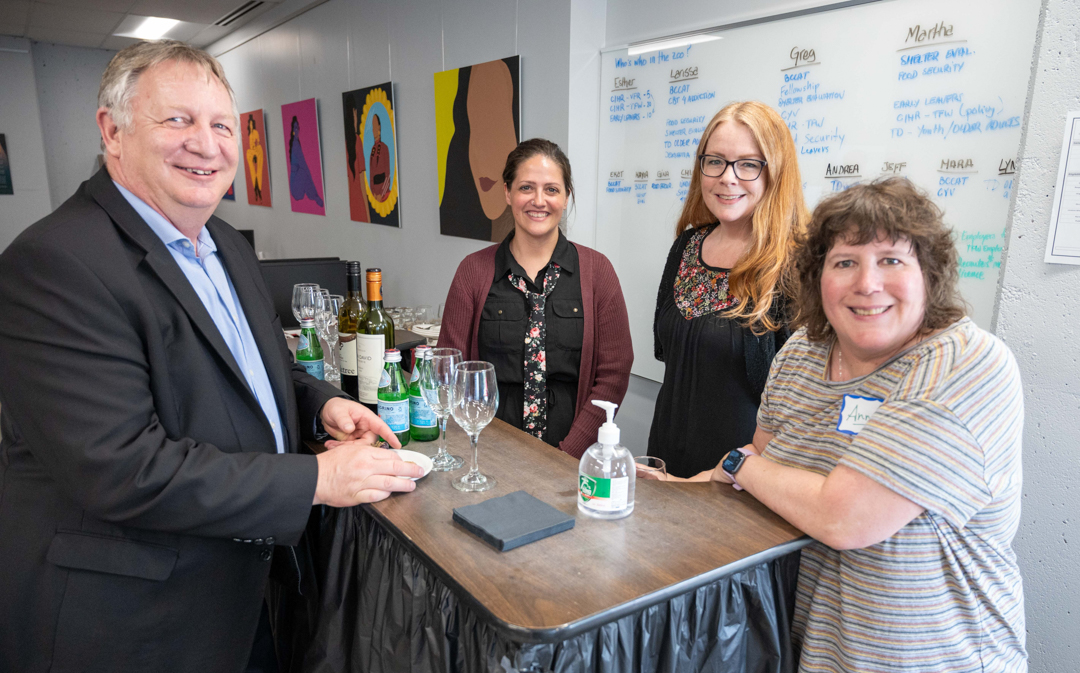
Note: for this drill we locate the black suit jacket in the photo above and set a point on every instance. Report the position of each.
(140, 488)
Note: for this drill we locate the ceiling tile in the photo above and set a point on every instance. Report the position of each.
(13, 16)
(195, 11)
(103, 5)
(116, 43)
(56, 17)
(209, 35)
(72, 38)
(182, 31)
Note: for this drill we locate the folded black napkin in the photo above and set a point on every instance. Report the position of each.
(512, 520)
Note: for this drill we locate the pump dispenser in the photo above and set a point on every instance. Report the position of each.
(606, 474)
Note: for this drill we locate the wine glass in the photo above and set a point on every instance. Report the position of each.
(326, 324)
(301, 296)
(435, 386)
(473, 401)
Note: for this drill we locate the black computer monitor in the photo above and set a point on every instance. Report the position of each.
(282, 274)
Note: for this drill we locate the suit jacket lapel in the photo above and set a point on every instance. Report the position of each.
(267, 339)
(160, 260)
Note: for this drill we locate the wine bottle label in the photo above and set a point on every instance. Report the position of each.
(313, 367)
(395, 413)
(347, 354)
(603, 495)
(420, 413)
(369, 365)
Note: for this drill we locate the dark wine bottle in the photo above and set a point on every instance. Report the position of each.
(352, 310)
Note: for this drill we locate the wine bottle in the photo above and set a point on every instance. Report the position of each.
(423, 426)
(374, 335)
(352, 309)
(309, 352)
(393, 395)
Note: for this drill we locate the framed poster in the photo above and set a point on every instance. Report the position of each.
(300, 122)
(256, 166)
(477, 124)
(371, 152)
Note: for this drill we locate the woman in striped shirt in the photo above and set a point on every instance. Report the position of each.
(890, 432)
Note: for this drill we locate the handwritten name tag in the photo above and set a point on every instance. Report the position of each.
(855, 412)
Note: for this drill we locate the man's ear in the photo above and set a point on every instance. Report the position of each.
(110, 132)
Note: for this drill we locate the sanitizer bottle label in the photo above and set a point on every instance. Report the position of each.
(603, 495)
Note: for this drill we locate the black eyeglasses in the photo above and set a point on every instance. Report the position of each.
(713, 166)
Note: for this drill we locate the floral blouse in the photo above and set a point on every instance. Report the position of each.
(700, 290)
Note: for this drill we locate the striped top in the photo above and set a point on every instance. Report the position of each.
(944, 593)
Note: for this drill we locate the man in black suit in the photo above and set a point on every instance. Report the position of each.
(151, 412)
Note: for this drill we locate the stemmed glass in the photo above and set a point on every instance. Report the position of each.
(326, 325)
(435, 384)
(303, 296)
(473, 401)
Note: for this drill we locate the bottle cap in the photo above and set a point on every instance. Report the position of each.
(352, 267)
(392, 355)
(608, 435)
(307, 322)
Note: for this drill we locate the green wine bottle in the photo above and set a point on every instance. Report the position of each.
(393, 395)
(374, 335)
(352, 309)
(309, 353)
(423, 425)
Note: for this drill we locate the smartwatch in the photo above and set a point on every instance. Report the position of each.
(732, 463)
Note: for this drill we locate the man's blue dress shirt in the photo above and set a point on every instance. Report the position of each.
(207, 276)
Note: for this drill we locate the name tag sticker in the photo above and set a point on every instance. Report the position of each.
(855, 412)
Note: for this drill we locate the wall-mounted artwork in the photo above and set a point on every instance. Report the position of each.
(231, 194)
(256, 167)
(371, 150)
(300, 121)
(5, 168)
(477, 124)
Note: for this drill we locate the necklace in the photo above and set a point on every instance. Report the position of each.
(839, 363)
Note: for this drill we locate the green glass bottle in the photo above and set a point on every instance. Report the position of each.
(309, 353)
(423, 426)
(393, 395)
(352, 309)
(374, 335)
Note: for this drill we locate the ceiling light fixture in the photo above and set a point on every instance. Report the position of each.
(669, 43)
(152, 28)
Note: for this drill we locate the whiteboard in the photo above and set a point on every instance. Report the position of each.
(933, 90)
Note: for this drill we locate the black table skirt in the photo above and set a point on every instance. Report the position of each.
(370, 605)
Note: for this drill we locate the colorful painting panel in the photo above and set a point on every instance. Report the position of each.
(477, 124)
(300, 122)
(256, 166)
(231, 194)
(371, 153)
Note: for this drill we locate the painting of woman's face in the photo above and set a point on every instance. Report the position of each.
(492, 138)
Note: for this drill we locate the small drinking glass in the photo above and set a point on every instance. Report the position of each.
(407, 318)
(473, 401)
(650, 467)
(422, 315)
(435, 386)
(302, 295)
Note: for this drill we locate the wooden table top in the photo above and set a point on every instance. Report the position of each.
(679, 537)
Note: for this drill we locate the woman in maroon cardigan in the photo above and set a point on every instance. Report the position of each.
(548, 313)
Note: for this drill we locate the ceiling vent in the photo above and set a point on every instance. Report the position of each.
(238, 13)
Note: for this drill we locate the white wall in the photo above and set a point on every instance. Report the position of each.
(20, 123)
(346, 44)
(1037, 317)
(67, 81)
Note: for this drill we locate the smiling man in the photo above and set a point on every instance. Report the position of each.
(152, 415)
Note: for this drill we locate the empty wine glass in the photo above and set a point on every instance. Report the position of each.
(422, 315)
(473, 401)
(326, 325)
(301, 296)
(435, 386)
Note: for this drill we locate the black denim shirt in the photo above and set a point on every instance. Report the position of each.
(503, 324)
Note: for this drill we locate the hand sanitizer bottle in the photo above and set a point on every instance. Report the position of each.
(606, 474)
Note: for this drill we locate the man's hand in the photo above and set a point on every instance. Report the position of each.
(351, 473)
(346, 420)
